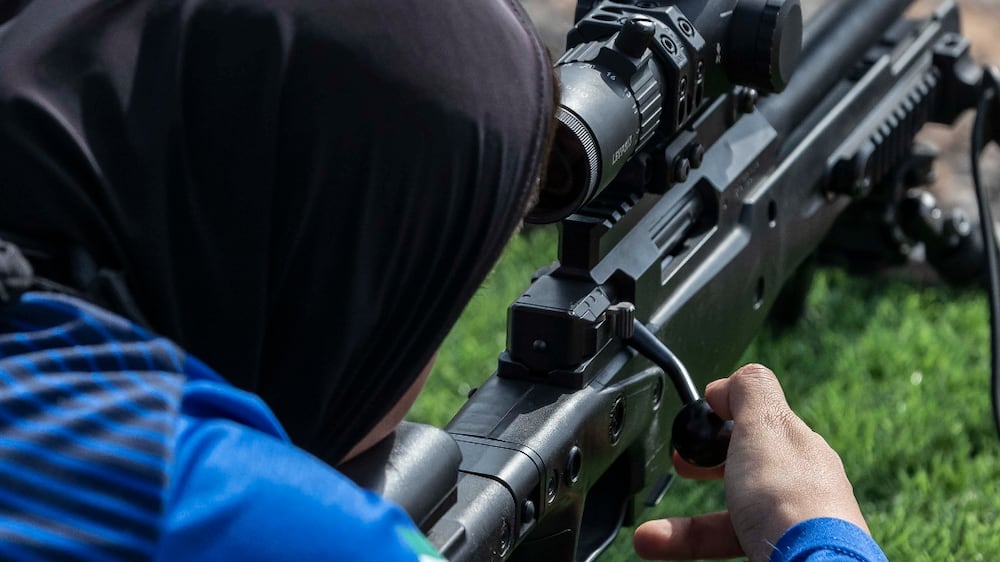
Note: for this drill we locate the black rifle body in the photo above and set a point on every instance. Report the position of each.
(570, 440)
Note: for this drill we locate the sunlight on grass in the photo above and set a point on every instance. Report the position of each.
(894, 376)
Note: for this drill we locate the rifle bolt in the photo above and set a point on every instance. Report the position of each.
(682, 168)
(527, 512)
(696, 155)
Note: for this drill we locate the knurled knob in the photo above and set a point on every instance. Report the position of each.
(765, 41)
(635, 37)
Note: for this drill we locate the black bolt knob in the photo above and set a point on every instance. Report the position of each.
(635, 37)
(764, 43)
(700, 436)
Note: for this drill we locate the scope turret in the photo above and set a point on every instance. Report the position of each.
(635, 71)
(765, 41)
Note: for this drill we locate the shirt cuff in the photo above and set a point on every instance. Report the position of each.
(826, 539)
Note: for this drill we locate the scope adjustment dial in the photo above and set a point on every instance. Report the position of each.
(765, 41)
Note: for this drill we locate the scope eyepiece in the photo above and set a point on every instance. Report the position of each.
(610, 105)
(574, 163)
(637, 70)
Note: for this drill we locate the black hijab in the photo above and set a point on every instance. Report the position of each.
(302, 193)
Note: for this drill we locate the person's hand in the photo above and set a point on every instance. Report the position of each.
(778, 473)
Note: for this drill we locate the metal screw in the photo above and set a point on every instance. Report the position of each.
(669, 45)
(682, 168)
(747, 101)
(657, 392)
(685, 26)
(552, 487)
(539, 345)
(527, 512)
(696, 155)
(574, 462)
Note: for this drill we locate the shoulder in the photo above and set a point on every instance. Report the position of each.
(120, 445)
(88, 409)
(237, 493)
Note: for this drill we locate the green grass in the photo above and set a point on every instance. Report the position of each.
(894, 375)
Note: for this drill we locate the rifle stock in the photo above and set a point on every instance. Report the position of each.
(570, 439)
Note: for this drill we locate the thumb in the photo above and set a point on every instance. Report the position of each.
(754, 394)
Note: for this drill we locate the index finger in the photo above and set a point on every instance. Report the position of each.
(691, 472)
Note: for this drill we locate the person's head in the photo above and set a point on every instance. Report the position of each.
(302, 194)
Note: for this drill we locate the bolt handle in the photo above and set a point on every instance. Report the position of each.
(700, 436)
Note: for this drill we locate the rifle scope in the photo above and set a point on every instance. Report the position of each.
(635, 70)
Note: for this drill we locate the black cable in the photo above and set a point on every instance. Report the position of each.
(989, 92)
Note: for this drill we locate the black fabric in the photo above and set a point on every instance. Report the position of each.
(304, 194)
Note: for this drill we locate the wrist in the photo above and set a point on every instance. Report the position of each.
(826, 535)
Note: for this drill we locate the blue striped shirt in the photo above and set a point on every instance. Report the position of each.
(117, 445)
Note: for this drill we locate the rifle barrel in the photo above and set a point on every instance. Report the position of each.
(834, 40)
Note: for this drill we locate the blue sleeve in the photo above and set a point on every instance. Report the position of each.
(240, 493)
(827, 540)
